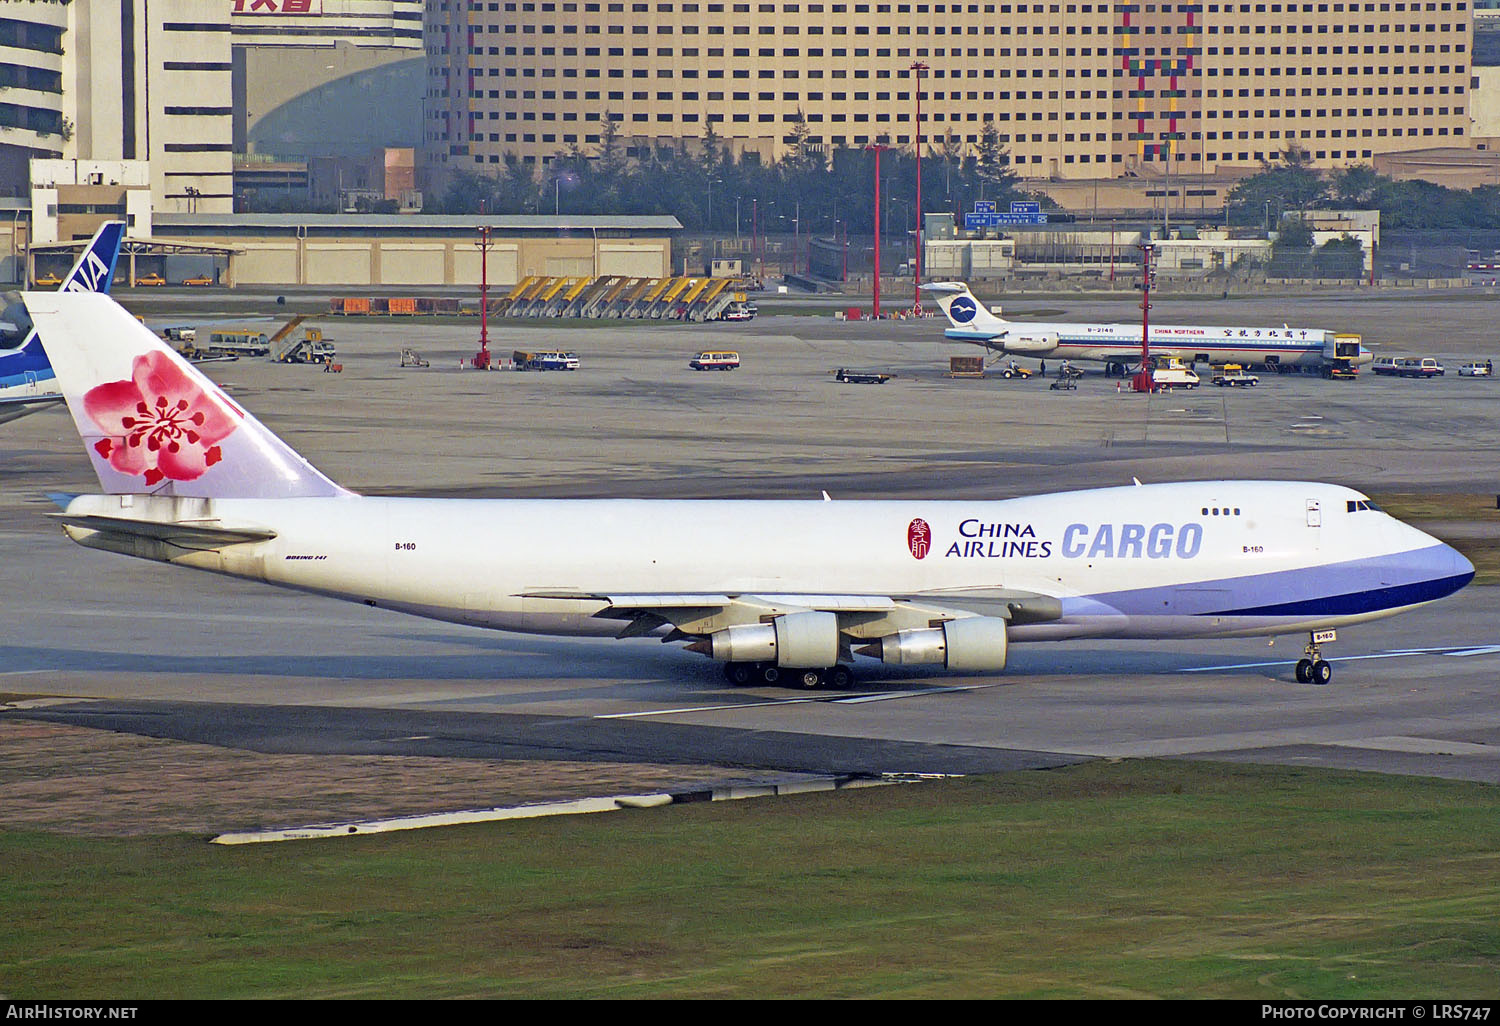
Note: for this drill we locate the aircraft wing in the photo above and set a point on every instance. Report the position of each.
(19, 406)
(697, 614)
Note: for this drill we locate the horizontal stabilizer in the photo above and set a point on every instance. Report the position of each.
(203, 536)
(14, 409)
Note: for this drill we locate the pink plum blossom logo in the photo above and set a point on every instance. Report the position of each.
(159, 424)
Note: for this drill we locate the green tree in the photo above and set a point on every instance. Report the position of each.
(1339, 258)
(1356, 186)
(1275, 191)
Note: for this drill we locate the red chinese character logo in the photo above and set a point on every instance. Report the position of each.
(918, 538)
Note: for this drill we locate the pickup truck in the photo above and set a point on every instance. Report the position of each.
(1235, 378)
(861, 377)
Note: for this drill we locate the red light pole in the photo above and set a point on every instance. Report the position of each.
(916, 303)
(482, 358)
(877, 147)
(1143, 381)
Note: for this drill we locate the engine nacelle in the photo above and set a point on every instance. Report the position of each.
(1031, 343)
(974, 643)
(806, 640)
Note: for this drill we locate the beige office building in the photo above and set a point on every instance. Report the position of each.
(1074, 90)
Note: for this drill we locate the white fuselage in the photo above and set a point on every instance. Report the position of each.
(1217, 558)
(1121, 343)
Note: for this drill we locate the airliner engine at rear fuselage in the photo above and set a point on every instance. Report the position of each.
(190, 478)
(1120, 344)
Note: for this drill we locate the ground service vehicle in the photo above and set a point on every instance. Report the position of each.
(714, 359)
(1014, 370)
(544, 361)
(1175, 377)
(1420, 367)
(235, 342)
(861, 377)
(1235, 376)
(1387, 366)
(1475, 370)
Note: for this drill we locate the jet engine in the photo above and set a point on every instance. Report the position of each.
(974, 643)
(796, 640)
(1037, 343)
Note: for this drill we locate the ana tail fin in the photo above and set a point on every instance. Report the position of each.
(151, 422)
(95, 269)
(962, 309)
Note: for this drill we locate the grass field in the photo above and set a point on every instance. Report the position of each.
(1152, 878)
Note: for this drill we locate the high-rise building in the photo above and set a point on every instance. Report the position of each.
(132, 80)
(1072, 90)
(326, 78)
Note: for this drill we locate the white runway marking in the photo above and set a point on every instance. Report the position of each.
(826, 699)
(1394, 653)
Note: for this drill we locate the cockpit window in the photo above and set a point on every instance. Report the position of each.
(1355, 505)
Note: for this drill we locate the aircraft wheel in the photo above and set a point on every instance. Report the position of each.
(770, 674)
(740, 674)
(810, 679)
(1304, 671)
(840, 677)
(1322, 672)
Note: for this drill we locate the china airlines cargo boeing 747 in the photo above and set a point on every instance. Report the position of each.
(1120, 344)
(190, 478)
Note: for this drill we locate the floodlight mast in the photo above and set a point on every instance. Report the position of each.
(1143, 381)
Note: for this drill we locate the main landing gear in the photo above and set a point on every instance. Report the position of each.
(1312, 668)
(745, 674)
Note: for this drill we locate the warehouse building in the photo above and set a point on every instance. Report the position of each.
(418, 250)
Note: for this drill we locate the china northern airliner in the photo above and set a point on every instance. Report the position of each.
(1120, 344)
(188, 477)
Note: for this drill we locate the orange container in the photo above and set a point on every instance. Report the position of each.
(403, 306)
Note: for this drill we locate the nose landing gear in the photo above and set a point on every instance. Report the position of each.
(1312, 668)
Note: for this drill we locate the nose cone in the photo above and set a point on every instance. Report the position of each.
(1461, 571)
(1442, 569)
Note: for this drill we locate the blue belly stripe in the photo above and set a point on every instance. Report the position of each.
(1334, 589)
(1360, 601)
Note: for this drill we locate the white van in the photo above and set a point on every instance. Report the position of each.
(1175, 377)
(715, 359)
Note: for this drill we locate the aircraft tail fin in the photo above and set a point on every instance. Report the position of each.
(962, 309)
(95, 269)
(151, 422)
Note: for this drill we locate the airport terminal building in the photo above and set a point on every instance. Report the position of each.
(1074, 90)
